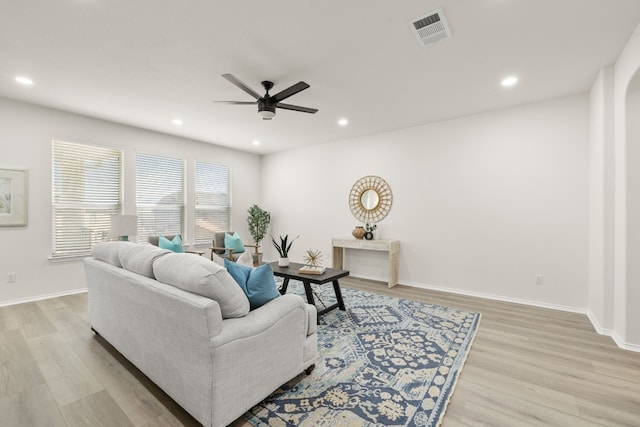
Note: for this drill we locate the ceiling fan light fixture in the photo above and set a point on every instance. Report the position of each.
(266, 114)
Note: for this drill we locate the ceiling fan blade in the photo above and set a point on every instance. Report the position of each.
(236, 102)
(241, 85)
(291, 90)
(297, 108)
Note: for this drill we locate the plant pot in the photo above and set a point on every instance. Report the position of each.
(283, 262)
(358, 232)
(368, 235)
(257, 259)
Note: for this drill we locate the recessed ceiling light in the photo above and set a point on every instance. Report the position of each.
(343, 122)
(509, 81)
(177, 122)
(255, 142)
(24, 80)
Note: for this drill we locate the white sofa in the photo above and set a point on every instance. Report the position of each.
(214, 357)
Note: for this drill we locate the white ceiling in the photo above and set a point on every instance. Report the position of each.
(145, 62)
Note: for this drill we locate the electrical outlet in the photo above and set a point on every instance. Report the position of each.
(539, 279)
(11, 278)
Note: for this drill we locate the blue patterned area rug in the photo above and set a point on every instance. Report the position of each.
(385, 361)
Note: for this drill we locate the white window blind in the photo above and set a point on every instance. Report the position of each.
(213, 201)
(87, 190)
(159, 195)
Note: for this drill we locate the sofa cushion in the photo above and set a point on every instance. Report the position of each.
(139, 258)
(108, 251)
(174, 245)
(257, 283)
(201, 276)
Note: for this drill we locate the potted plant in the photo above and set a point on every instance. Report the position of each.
(283, 249)
(370, 231)
(258, 222)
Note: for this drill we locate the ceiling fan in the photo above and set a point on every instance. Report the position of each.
(267, 104)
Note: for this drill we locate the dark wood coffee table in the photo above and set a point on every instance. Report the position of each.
(330, 275)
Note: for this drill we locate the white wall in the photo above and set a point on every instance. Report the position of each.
(614, 209)
(601, 201)
(624, 199)
(633, 214)
(26, 132)
(481, 204)
(627, 206)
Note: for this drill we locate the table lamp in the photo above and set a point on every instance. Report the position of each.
(124, 226)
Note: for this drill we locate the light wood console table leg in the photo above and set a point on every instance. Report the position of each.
(393, 269)
(337, 257)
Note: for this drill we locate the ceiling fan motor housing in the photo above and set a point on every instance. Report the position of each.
(265, 107)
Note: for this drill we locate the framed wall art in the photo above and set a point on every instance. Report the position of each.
(13, 197)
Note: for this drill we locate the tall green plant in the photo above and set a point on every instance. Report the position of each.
(258, 222)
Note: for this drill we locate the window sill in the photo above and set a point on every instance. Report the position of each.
(68, 258)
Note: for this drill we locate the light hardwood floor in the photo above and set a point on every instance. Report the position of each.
(527, 367)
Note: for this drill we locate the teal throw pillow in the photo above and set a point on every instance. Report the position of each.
(257, 283)
(233, 242)
(174, 245)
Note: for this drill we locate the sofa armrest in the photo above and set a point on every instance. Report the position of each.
(194, 252)
(261, 319)
(312, 319)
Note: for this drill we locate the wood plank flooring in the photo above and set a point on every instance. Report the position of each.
(528, 366)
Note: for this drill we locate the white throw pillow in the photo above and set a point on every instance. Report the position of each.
(215, 258)
(245, 259)
(200, 276)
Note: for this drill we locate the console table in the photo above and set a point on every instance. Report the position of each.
(390, 246)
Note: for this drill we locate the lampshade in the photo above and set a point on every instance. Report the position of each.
(124, 226)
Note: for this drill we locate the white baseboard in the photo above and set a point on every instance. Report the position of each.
(596, 325)
(499, 298)
(623, 344)
(41, 297)
(611, 333)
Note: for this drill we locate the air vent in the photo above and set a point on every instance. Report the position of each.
(431, 28)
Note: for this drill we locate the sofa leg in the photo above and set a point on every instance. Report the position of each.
(309, 369)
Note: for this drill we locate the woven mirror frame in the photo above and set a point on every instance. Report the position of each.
(370, 199)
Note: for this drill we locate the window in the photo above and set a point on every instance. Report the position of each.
(213, 205)
(87, 190)
(159, 195)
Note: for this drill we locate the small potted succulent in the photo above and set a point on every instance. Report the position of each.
(283, 249)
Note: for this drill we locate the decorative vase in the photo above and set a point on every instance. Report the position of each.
(368, 235)
(358, 232)
(283, 262)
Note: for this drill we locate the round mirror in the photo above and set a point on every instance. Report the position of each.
(369, 199)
